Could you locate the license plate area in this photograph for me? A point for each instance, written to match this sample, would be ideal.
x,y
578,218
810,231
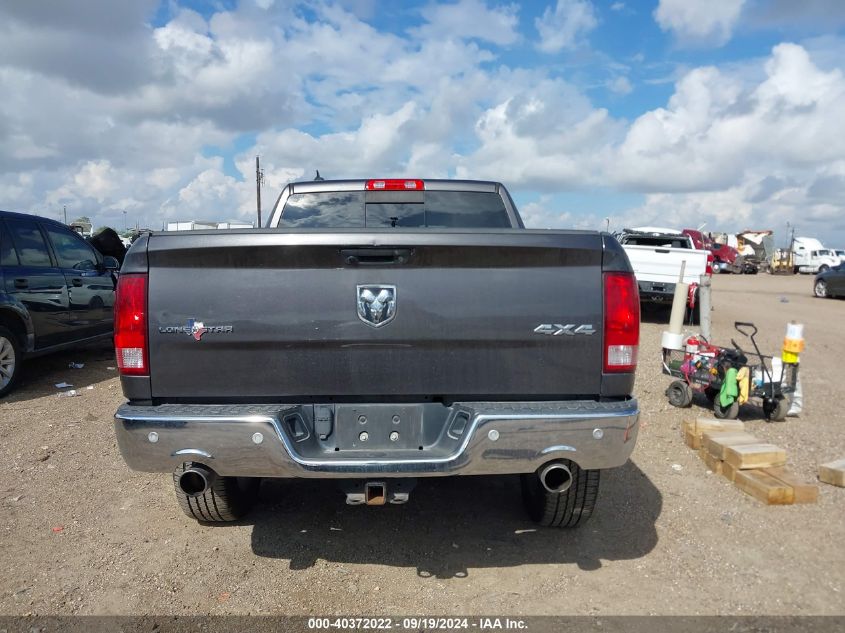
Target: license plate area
x,y
378,427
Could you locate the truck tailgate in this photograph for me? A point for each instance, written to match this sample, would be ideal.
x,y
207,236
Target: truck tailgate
x,y
245,315
663,265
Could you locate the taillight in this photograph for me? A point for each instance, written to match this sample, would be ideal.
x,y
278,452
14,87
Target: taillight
x,y
621,322
130,325
710,260
394,184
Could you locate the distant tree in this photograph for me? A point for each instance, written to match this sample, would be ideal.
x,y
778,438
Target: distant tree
x,y
99,230
83,218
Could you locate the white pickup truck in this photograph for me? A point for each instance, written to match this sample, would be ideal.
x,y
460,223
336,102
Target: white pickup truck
x,y
656,255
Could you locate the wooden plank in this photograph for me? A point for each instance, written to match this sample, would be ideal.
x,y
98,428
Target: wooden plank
x,y
692,440
804,492
747,456
764,487
704,425
711,462
833,473
715,443
728,471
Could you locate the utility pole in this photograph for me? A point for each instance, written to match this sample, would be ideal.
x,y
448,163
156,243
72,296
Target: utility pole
x,y
259,180
64,209
124,220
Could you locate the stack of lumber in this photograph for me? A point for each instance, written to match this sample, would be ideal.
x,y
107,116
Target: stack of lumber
x,y
754,466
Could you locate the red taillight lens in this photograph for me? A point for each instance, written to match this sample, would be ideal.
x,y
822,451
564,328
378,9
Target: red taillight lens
x,y
621,322
395,184
710,260
130,325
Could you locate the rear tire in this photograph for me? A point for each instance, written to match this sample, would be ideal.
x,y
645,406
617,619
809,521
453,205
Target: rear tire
x,y
679,394
776,411
820,289
10,360
564,509
227,499
725,413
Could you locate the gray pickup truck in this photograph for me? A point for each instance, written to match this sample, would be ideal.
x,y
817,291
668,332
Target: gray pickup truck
x,y
375,332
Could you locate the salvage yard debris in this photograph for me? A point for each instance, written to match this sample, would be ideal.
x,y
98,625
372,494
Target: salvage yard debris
x,y
755,467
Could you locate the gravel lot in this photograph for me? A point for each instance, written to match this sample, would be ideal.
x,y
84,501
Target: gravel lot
x,y
84,535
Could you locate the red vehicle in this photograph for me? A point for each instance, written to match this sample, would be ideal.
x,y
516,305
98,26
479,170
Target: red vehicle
x,y
726,259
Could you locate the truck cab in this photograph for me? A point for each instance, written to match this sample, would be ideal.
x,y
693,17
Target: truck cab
x,y
810,256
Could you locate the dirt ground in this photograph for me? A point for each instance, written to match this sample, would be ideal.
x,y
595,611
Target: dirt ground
x,y
82,534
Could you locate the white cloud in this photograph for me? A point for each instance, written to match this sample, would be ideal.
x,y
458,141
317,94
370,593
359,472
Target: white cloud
x,y
468,19
752,143
699,21
717,126
617,6
620,85
565,26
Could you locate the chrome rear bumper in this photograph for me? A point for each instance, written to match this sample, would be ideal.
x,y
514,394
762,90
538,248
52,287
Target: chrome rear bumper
x,y
470,438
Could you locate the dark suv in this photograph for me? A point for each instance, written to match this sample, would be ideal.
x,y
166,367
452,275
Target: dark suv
x,y
56,291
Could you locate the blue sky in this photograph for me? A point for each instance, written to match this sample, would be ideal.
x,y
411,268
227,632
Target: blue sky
x,y
678,112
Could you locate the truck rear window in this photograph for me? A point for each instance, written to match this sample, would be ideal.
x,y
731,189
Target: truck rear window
x,y
658,241
397,209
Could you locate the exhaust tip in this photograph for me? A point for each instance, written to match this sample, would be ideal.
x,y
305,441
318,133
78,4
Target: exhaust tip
x,y
556,477
196,481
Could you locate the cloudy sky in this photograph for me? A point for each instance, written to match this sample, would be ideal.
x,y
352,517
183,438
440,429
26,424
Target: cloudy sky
x,y
670,112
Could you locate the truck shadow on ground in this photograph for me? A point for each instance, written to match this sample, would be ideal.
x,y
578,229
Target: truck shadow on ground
x,y
452,525
39,375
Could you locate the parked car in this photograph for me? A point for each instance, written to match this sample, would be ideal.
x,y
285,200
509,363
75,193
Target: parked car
x,y
374,333
656,255
56,291
830,283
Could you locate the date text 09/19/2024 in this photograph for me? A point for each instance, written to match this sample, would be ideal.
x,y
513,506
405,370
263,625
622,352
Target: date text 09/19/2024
x,y
417,623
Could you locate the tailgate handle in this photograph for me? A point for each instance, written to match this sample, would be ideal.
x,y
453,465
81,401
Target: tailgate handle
x,y
661,250
376,256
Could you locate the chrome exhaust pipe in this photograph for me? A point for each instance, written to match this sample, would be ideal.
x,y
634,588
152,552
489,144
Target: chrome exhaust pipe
x,y
196,480
555,477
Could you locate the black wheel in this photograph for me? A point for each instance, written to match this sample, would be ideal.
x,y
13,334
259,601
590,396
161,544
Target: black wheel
x,y
679,393
776,410
824,268
562,509
820,288
227,499
725,413
710,393
10,360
